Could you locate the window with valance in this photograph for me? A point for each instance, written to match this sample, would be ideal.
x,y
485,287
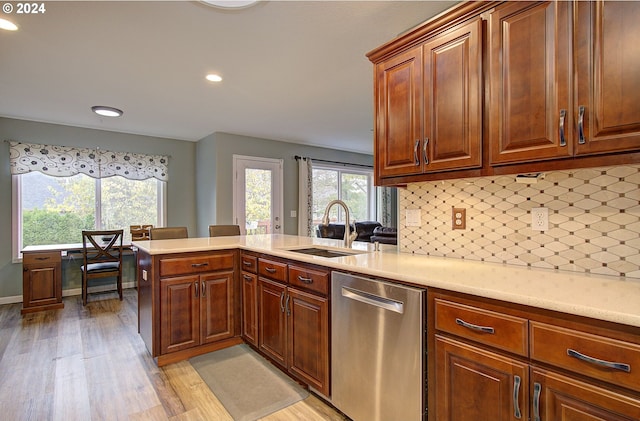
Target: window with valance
x,y
66,161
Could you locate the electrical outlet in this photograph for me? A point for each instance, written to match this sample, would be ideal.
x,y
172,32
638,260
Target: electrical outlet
x,y
540,219
459,218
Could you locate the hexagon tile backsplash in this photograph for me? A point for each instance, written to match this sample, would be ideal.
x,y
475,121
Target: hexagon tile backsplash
x,y
594,220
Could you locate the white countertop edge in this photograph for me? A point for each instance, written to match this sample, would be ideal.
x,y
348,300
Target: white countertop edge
x,y
605,298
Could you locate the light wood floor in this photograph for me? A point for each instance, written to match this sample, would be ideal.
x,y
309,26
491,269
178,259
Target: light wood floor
x,y
90,364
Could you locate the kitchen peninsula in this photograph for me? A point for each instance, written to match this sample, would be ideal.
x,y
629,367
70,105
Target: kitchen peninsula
x,y
534,311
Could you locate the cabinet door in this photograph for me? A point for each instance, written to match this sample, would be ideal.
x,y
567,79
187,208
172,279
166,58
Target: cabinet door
x,y
41,285
474,384
529,82
561,398
399,127
250,308
308,325
216,306
608,76
179,313
453,99
272,335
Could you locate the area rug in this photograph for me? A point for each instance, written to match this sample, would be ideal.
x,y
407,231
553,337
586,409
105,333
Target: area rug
x,y
246,384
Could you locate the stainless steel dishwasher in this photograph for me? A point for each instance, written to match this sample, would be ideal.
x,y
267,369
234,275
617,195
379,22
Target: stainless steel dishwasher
x,y
377,349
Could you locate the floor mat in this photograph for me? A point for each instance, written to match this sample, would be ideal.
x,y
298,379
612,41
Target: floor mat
x,y
248,386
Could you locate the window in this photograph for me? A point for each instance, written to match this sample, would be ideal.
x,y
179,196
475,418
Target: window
x,y
53,210
352,185
59,191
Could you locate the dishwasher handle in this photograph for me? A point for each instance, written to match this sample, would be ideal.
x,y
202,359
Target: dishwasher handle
x,y
374,300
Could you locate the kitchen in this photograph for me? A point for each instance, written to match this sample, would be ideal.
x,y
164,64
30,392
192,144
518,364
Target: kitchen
x,y
482,194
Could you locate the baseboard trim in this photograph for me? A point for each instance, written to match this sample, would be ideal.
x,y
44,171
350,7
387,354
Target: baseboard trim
x,y
70,292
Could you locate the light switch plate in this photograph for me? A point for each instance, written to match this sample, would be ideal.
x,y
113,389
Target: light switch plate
x,y
413,218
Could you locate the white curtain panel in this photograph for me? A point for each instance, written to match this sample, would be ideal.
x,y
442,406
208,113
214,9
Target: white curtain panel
x,y
305,197
66,161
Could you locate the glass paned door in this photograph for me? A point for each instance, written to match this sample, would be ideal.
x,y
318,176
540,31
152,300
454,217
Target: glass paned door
x,y
258,195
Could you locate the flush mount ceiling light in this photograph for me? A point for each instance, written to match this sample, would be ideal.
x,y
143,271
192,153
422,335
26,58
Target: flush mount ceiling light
x,y
106,111
230,4
212,77
8,25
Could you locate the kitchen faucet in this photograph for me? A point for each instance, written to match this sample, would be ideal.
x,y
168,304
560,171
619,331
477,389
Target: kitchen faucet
x,y
348,235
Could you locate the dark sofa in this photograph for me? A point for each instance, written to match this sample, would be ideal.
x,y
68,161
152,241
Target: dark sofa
x,y
365,230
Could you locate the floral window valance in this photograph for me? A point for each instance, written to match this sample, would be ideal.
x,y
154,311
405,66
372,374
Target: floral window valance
x,y
65,161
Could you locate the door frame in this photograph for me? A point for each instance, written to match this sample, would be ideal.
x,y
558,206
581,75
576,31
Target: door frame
x,y
277,187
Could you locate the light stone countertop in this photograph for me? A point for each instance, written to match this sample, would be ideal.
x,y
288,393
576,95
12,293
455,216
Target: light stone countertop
x,y
607,298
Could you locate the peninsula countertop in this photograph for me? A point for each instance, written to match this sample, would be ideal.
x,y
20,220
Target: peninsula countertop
x,y
606,298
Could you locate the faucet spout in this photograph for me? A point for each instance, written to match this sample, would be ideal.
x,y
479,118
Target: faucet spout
x,y
348,235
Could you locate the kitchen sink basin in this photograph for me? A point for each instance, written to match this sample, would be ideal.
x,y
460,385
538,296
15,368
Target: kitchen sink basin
x,y
325,252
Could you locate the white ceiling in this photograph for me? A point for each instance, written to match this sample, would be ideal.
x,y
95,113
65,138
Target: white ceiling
x,y
293,70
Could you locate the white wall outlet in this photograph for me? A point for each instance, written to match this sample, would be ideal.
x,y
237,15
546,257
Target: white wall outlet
x,y
413,217
540,219
294,214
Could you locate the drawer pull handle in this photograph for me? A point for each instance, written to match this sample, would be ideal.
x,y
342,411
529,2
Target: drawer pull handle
x,y
246,263
270,270
305,280
516,394
199,265
536,401
196,285
247,277
42,258
484,329
425,152
608,364
415,152
203,290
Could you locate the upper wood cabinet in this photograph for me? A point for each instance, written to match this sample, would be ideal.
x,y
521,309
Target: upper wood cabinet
x,y
607,65
564,80
529,82
429,105
560,90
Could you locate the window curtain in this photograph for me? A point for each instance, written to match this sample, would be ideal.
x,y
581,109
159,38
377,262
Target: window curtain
x,y
305,198
386,211
65,161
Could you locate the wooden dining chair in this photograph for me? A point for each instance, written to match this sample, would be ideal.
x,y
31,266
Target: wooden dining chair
x,y
223,230
102,257
167,233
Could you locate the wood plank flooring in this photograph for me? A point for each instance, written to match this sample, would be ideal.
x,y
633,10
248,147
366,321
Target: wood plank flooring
x,y
89,363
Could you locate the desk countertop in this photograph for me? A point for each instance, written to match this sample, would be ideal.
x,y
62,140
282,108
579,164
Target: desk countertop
x,y
605,298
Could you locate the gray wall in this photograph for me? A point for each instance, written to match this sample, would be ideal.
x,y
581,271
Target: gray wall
x,y
214,178
181,190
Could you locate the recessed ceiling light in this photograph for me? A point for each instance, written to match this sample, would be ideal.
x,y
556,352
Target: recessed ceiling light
x,y
214,78
106,111
230,4
8,25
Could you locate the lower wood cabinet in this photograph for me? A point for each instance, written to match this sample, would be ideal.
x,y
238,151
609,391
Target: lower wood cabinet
x,y
195,310
294,322
568,370
249,265
187,303
477,384
41,281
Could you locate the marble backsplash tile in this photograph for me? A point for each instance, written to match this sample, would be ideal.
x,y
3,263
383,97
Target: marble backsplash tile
x,y
594,220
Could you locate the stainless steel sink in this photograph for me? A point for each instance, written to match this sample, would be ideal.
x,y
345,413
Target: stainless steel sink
x,y
326,252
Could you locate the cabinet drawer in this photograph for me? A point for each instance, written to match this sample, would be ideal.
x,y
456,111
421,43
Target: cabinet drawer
x,y
499,330
272,270
196,264
41,258
588,354
249,263
316,280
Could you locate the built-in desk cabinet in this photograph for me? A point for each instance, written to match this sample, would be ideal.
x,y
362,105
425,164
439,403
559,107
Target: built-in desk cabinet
x,y
41,280
500,361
